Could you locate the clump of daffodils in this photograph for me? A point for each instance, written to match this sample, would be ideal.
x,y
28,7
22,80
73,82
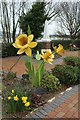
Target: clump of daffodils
x,y
24,100
24,44
15,101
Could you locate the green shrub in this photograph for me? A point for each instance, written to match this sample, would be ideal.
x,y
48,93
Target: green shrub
x,y
8,50
73,49
65,43
50,82
74,61
78,74
66,74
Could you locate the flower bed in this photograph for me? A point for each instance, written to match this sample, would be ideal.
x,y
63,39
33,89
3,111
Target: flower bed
x,y
16,86
50,86
20,96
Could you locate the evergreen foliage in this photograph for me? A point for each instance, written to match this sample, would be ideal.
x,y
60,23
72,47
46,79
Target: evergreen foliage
x,y
35,18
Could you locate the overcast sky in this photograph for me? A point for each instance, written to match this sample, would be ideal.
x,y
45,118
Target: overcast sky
x,y
53,27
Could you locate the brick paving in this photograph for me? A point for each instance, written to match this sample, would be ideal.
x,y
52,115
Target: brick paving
x,y
19,68
65,106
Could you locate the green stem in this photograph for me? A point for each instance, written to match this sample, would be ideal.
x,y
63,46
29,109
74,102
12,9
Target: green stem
x,y
40,76
31,62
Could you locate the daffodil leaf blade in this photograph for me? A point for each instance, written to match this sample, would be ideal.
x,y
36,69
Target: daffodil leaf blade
x,y
40,73
30,70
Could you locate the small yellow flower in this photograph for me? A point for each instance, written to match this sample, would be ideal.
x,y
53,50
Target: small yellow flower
x,y
27,104
25,44
59,50
24,99
47,56
16,98
12,91
9,98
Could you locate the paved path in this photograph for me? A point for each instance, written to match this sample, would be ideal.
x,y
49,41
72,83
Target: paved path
x,y
19,68
65,106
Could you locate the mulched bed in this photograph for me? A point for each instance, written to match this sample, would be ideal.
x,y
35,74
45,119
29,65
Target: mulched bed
x,y
37,99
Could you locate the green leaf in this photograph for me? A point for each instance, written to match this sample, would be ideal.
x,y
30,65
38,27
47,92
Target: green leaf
x,y
30,70
39,73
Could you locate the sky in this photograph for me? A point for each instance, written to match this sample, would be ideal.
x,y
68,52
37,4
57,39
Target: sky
x,y
53,27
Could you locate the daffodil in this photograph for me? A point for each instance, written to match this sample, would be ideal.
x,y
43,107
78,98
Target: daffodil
x,y
47,56
9,98
24,99
16,98
59,50
12,91
27,104
24,44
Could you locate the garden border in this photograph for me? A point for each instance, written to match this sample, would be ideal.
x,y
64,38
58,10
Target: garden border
x,y
42,111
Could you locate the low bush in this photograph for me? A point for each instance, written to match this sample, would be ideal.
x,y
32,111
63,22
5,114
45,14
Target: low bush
x,y
8,50
66,74
65,43
78,74
73,49
50,82
74,61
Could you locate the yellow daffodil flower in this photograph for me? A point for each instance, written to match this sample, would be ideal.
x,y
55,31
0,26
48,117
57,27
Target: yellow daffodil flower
x,y
59,50
24,99
12,91
47,56
24,44
16,98
9,98
27,104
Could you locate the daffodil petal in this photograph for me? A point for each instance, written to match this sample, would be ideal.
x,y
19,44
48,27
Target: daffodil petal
x,y
33,44
30,38
20,51
15,45
25,46
28,51
52,56
50,61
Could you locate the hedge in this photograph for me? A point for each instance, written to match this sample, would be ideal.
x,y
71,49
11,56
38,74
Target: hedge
x,y
65,43
8,50
67,74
